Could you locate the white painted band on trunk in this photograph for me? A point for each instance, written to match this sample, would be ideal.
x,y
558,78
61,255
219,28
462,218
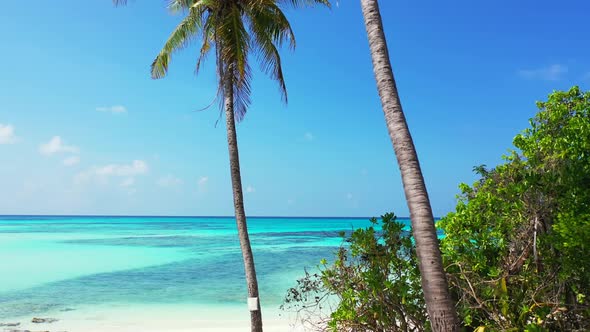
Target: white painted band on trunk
x,y
253,303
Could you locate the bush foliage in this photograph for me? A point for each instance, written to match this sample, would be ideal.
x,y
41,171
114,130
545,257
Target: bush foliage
x,y
373,283
517,246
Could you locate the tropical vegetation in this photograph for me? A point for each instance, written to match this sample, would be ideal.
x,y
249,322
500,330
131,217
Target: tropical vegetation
x,y
515,250
372,285
517,246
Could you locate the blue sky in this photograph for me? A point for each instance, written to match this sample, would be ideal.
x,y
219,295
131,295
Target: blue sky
x,y
84,130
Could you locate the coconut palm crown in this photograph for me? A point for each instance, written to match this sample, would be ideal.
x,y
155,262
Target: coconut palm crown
x,y
233,30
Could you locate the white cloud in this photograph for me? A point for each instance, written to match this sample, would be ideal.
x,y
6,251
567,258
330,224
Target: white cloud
x,y
169,181
71,161
7,134
308,136
137,167
128,185
116,109
250,189
203,180
101,174
202,183
551,73
56,145
353,200
128,182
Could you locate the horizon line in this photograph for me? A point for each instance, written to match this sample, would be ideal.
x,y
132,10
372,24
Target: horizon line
x,y
187,216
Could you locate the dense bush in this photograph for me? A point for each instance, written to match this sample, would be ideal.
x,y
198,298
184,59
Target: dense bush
x,y
516,249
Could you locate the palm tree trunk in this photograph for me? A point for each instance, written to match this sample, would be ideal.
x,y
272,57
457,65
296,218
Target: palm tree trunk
x,y
439,304
236,179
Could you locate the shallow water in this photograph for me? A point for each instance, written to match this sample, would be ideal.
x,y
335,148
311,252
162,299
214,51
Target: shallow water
x,y
48,264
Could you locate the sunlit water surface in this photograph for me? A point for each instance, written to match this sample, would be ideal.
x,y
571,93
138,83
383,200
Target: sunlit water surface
x,y
50,264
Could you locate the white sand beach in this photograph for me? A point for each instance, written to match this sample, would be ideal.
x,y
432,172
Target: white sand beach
x,y
153,318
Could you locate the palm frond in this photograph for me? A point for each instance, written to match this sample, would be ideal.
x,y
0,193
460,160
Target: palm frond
x,y
234,44
268,18
175,6
269,27
234,29
271,65
180,37
242,92
206,45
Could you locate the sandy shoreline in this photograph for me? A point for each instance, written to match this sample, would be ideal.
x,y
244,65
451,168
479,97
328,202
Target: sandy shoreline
x,y
153,318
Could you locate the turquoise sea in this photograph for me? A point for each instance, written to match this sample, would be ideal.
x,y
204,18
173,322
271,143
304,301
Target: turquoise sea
x,y
52,264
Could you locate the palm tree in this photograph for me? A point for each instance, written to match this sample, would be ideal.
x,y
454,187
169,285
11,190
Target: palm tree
x,y
439,304
234,30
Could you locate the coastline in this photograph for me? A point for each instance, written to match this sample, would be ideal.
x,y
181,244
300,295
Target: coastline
x,y
154,318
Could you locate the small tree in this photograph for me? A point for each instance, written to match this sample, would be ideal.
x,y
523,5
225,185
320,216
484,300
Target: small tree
x,y
373,284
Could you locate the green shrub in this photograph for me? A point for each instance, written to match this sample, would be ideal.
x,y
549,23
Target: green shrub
x,y
372,285
517,246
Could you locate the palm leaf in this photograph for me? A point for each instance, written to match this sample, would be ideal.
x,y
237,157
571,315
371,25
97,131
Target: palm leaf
x,y
235,29
234,45
180,37
175,6
208,41
269,27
